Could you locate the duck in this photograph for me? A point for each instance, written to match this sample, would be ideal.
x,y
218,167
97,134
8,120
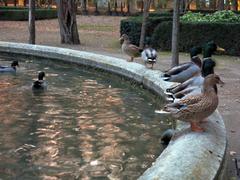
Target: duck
x,y
195,84
209,49
195,109
130,49
149,56
40,84
186,70
11,68
192,86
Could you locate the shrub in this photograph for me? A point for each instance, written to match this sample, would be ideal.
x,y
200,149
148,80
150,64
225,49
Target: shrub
x,y
218,16
195,34
132,26
21,14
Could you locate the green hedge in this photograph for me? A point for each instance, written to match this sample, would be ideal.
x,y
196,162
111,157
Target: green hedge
x,y
21,14
226,35
132,26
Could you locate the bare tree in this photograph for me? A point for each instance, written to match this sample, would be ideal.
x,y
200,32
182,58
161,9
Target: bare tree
x,y
212,4
146,6
31,22
220,4
235,5
67,21
187,4
175,33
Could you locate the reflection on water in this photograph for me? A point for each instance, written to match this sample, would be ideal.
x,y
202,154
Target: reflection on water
x,y
85,126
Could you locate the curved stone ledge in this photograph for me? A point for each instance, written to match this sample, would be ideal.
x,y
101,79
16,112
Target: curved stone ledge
x,y
189,156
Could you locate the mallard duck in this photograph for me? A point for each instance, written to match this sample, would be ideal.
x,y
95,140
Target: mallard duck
x,y
40,84
192,86
149,56
208,50
197,80
195,109
9,69
184,71
128,48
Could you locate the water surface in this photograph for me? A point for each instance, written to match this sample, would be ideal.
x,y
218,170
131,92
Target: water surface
x,y
87,125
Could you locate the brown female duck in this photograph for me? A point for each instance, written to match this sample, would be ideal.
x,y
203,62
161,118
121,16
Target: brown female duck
x,y
195,109
128,48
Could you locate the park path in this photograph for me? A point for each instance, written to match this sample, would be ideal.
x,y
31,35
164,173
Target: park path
x,y
100,34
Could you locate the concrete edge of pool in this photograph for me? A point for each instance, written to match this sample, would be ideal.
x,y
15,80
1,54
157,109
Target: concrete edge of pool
x,y
189,155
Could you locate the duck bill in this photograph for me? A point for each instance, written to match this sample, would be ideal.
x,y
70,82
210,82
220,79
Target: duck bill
x,y
220,49
221,83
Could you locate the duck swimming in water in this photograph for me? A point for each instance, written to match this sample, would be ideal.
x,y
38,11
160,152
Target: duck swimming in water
x,y
195,109
40,84
9,69
128,48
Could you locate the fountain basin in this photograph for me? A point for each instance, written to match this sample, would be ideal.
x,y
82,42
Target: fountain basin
x,y
189,155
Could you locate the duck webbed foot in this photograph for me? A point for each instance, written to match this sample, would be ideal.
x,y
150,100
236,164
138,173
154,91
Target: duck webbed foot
x,y
204,120
195,127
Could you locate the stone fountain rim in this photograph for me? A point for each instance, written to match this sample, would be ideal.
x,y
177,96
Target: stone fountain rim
x,y
190,155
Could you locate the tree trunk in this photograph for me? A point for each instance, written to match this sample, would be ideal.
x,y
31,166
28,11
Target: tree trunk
x,y
85,11
187,4
212,4
175,33
5,3
31,21
198,4
235,5
15,3
220,4
67,21
227,4
146,7
203,4
182,6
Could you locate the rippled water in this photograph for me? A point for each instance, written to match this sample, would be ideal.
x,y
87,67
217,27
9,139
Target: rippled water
x,y
87,125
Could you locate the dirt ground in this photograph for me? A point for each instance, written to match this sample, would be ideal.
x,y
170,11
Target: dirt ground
x,y
100,34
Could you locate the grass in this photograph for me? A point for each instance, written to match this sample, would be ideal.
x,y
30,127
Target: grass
x,y
92,27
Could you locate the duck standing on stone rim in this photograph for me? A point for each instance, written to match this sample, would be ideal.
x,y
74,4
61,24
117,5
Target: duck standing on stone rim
x,y
195,109
128,48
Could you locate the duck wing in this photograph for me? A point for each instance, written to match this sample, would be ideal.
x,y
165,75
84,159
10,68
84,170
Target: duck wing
x,y
181,86
177,69
133,50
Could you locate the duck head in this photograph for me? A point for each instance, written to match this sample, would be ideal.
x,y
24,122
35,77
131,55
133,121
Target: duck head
x,y
210,48
123,38
208,67
211,80
194,51
41,75
14,64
